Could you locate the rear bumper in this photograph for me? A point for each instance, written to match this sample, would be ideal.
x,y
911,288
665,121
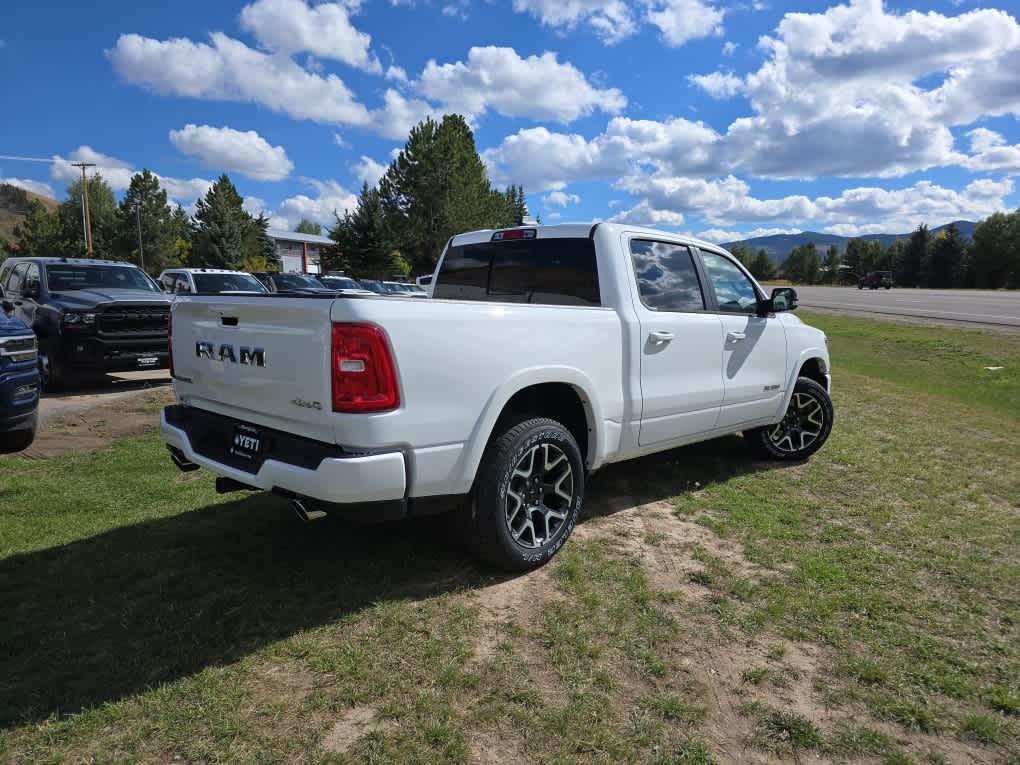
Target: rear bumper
x,y
335,479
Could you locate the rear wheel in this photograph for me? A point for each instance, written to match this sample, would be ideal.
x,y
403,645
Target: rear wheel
x,y
527,495
803,429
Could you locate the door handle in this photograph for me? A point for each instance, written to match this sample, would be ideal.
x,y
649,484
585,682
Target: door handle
x,y
733,337
661,336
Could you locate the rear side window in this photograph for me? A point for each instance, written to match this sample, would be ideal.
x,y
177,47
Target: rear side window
x,y
555,271
666,277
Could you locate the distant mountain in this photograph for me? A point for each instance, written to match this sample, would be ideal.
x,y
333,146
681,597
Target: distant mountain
x,y
779,246
14,207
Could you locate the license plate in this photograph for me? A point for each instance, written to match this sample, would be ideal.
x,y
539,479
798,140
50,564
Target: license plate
x,y
247,442
148,361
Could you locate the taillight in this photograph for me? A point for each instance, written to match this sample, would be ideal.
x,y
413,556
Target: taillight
x,y
364,377
170,340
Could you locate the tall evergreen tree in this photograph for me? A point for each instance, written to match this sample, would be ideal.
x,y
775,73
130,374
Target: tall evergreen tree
x,y
363,238
159,230
803,264
102,214
853,258
943,266
907,272
831,264
437,187
223,230
763,267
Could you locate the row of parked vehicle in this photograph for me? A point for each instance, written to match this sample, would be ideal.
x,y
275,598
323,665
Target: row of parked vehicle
x,y
207,281
66,321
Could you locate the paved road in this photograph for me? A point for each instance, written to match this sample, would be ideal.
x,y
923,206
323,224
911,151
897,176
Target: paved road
x,y
120,386
979,308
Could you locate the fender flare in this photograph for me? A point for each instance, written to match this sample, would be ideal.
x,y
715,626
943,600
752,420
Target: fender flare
x,y
525,378
806,355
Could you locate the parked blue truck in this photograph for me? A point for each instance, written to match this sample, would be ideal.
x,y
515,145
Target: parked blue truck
x,y
19,380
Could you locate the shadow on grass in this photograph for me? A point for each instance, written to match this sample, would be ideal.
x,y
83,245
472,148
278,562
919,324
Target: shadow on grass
x,y
105,617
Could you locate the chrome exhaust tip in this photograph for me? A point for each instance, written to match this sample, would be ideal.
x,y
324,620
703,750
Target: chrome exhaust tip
x,y
304,513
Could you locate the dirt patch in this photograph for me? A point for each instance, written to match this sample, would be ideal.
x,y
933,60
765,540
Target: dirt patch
x,y
357,722
99,425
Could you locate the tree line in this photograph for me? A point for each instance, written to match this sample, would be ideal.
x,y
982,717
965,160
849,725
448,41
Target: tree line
x,y
989,260
436,186
221,234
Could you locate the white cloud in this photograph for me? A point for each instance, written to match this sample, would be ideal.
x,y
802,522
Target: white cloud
x,y
397,74
399,114
727,201
36,187
729,48
115,171
990,151
680,21
541,159
292,26
367,170
536,87
331,198
339,141
719,236
226,149
644,214
254,205
612,20
561,199
228,70
118,173
717,84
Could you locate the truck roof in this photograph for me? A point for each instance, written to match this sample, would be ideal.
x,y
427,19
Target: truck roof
x,y
575,230
203,271
74,261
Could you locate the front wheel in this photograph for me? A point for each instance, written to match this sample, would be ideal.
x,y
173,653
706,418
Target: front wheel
x,y
803,429
527,495
51,373
16,440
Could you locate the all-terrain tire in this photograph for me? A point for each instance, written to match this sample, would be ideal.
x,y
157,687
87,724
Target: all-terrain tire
x,y
804,428
518,514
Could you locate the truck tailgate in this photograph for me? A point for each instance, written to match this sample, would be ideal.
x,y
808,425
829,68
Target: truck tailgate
x,y
263,360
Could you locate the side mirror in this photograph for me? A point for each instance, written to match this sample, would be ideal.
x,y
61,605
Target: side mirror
x,y
30,290
783,299
5,305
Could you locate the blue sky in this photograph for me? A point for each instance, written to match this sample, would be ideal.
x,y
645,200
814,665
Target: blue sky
x,y
716,118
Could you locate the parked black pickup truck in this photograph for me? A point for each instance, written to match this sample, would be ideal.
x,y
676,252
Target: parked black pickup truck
x,y
91,316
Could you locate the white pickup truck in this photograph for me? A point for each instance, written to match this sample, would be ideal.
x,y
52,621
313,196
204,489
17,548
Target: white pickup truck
x,y
544,353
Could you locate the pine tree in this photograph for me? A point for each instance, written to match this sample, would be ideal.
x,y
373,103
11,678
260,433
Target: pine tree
x,y
995,256
830,267
763,267
158,226
943,266
38,235
223,229
907,272
362,237
102,214
437,187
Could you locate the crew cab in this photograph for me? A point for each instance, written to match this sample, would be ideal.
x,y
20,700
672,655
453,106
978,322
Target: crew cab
x,y
91,316
545,353
192,281
19,381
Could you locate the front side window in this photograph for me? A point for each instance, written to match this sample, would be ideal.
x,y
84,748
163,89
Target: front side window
x,y
16,277
553,271
733,290
666,277
67,278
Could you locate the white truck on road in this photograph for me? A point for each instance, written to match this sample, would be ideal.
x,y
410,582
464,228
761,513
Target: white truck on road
x,y
544,353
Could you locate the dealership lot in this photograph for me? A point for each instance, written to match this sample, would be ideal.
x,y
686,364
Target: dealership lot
x,y
862,606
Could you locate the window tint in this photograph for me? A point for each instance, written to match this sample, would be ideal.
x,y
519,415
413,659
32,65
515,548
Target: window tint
x,y
31,276
733,290
666,277
227,283
555,271
65,278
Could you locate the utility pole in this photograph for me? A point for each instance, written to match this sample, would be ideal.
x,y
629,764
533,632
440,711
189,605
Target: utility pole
x,y
138,221
85,202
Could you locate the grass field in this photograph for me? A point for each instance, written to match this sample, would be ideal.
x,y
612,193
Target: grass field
x,y
861,607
